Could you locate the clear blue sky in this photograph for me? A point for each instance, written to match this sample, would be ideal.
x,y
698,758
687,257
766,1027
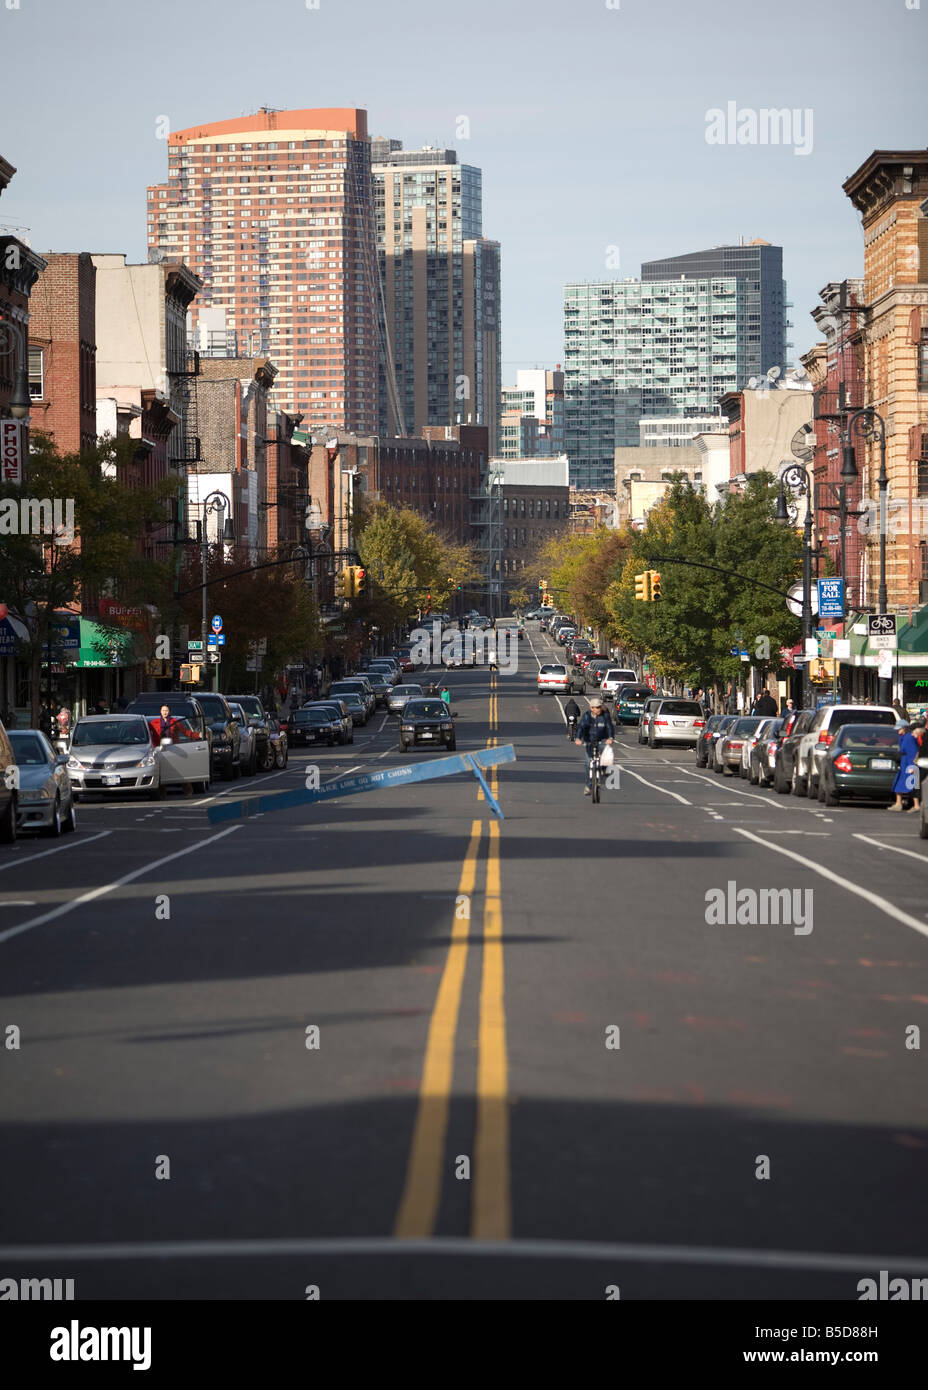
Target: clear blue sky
x,y
589,122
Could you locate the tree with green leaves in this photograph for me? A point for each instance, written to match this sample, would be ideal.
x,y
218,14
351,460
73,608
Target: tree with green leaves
x,y
704,613
406,560
112,512
270,601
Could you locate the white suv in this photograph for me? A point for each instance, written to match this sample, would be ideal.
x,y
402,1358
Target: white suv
x,y
821,731
614,677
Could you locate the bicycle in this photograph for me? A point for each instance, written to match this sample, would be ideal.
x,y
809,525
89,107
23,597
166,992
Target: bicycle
x,y
594,772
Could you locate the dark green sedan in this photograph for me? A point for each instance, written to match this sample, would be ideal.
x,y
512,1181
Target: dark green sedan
x,y
629,702
862,760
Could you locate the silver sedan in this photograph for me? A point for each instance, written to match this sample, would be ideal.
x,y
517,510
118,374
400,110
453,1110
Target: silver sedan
x,y
44,800
397,698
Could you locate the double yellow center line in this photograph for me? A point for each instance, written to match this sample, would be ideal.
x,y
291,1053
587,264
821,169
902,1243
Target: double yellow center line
x,y
491,1215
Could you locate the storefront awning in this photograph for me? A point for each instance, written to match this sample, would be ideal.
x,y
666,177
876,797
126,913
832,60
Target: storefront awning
x,y
104,647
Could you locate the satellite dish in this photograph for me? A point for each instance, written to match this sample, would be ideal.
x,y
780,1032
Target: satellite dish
x,y
773,373
802,444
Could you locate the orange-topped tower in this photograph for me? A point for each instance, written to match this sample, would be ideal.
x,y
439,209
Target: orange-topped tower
x,y
274,212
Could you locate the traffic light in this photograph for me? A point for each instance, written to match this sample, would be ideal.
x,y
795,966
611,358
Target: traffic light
x,y
655,585
547,601
360,581
341,584
643,587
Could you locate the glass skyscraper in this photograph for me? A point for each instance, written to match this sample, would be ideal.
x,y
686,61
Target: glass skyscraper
x,y
669,344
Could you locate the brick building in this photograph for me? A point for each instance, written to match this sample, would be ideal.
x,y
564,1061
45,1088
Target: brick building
x,y
835,368
62,351
890,191
232,395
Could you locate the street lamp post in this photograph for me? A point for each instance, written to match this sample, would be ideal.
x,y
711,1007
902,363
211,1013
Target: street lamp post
x,y
870,424
797,477
215,502
13,339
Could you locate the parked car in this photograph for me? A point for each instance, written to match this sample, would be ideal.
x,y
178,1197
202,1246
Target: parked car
x,y
861,760
675,721
596,668
312,725
357,707
763,756
715,726
259,721
784,773
388,665
822,730
227,736
116,753
579,648
629,702
729,746
426,721
644,724
380,683
279,743
249,744
399,696
616,677
9,801
45,800
750,742
552,678
341,713
209,719
355,685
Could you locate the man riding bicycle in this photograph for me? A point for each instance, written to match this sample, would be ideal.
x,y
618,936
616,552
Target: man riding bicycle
x,y
595,727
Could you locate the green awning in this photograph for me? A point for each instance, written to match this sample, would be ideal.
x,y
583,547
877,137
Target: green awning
x,y
104,647
913,636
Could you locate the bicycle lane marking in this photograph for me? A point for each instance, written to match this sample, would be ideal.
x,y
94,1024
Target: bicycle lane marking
x,y
883,904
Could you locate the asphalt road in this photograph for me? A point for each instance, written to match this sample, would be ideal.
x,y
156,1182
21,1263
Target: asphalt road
x,y
540,1071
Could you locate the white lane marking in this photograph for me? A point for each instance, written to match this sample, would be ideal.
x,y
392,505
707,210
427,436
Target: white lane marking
x,y
713,783
662,790
108,887
897,849
233,787
18,902
458,1245
826,833
73,840
882,903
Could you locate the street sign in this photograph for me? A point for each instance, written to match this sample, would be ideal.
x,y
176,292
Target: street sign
x,y
881,632
197,659
794,600
214,657
194,646
884,665
221,639
217,623
831,598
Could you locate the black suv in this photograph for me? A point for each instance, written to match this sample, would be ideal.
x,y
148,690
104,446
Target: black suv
x,y
785,773
257,717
